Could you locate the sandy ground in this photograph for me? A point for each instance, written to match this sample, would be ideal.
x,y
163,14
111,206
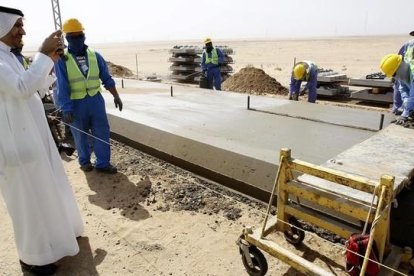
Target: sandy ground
x,y
155,219
355,57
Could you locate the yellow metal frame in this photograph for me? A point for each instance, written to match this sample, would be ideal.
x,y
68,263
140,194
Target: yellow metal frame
x,y
378,216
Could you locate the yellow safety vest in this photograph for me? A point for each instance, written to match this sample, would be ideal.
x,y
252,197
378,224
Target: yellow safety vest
x,y
408,56
25,63
214,57
79,85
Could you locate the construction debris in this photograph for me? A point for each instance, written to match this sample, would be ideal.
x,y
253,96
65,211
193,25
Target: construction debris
x,y
255,81
119,71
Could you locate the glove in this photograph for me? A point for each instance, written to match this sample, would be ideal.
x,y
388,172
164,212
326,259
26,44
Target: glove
x,y
68,117
401,121
118,103
205,73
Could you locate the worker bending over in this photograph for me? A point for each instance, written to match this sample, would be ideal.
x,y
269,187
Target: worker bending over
x,y
394,66
304,71
211,62
79,73
407,51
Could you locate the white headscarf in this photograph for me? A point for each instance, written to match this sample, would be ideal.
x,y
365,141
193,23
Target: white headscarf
x,y
7,21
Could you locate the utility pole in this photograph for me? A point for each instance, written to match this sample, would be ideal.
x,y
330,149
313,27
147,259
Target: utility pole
x,y
56,14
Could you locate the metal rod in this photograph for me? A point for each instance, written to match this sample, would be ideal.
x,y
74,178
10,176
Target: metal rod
x,y
172,91
122,83
372,232
272,196
136,63
248,102
381,122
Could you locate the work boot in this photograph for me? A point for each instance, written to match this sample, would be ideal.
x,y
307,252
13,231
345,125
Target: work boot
x,y
109,170
66,148
87,167
49,269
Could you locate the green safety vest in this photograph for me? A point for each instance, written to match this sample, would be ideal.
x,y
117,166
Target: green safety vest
x,y
214,57
408,56
79,85
25,63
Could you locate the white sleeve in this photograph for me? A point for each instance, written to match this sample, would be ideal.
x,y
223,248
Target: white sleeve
x,y
25,83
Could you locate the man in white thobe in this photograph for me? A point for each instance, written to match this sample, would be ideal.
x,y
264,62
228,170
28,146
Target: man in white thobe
x,y
45,216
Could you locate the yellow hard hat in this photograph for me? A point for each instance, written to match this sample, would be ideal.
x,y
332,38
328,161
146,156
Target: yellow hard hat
x,y
390,63
207,40
299,71
72,25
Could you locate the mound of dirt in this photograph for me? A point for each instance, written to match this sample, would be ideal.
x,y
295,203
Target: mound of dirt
x,y
119,71
255,81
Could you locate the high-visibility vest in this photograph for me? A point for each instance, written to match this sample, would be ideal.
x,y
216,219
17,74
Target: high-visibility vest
x,y
25,63
214,57
408,56
79,85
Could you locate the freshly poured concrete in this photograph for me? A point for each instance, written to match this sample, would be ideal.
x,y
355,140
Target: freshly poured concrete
x,y
215,131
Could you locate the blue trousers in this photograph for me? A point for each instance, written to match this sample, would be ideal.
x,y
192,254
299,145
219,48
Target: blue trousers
x,y
213,74
397,101
295,89
90,116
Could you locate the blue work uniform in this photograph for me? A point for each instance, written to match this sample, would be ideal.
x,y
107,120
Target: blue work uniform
x,y
311,78
407,54
211,62
89,112
407,94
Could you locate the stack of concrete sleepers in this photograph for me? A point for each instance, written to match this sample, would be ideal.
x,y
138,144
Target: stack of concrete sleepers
x,y
186,62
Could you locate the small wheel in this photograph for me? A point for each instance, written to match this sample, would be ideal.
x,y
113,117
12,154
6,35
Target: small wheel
x,y
259,262
294,235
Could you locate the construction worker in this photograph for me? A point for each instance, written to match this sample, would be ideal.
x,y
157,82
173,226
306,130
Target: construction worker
x,y
304,71
79,73
394,66
46,219
407,51
211,62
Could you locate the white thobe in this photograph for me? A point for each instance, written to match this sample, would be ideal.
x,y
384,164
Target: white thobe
x,y
35,188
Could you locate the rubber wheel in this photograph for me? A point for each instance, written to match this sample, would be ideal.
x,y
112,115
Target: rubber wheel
x,y
294,235
259,262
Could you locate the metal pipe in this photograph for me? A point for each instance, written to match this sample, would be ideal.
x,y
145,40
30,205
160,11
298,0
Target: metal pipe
x,y
122,83
172,91
372,232
381,122
269,207
248,102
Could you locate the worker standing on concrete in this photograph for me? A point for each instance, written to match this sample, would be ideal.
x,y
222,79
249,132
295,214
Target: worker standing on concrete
x,y
304,71
211,62
79,73
407,51
46,219
394,66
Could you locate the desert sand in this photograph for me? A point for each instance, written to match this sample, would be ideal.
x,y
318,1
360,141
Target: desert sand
x,y
155,219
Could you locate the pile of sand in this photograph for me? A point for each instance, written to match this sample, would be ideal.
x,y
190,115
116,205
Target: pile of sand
x,y
255,81
119,71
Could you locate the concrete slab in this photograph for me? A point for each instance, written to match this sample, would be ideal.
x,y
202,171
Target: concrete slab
x,y
387,152
332,77
215,131
366,95
371,82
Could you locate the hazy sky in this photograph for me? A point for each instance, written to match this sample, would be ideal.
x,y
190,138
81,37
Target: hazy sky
x,y
170,20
